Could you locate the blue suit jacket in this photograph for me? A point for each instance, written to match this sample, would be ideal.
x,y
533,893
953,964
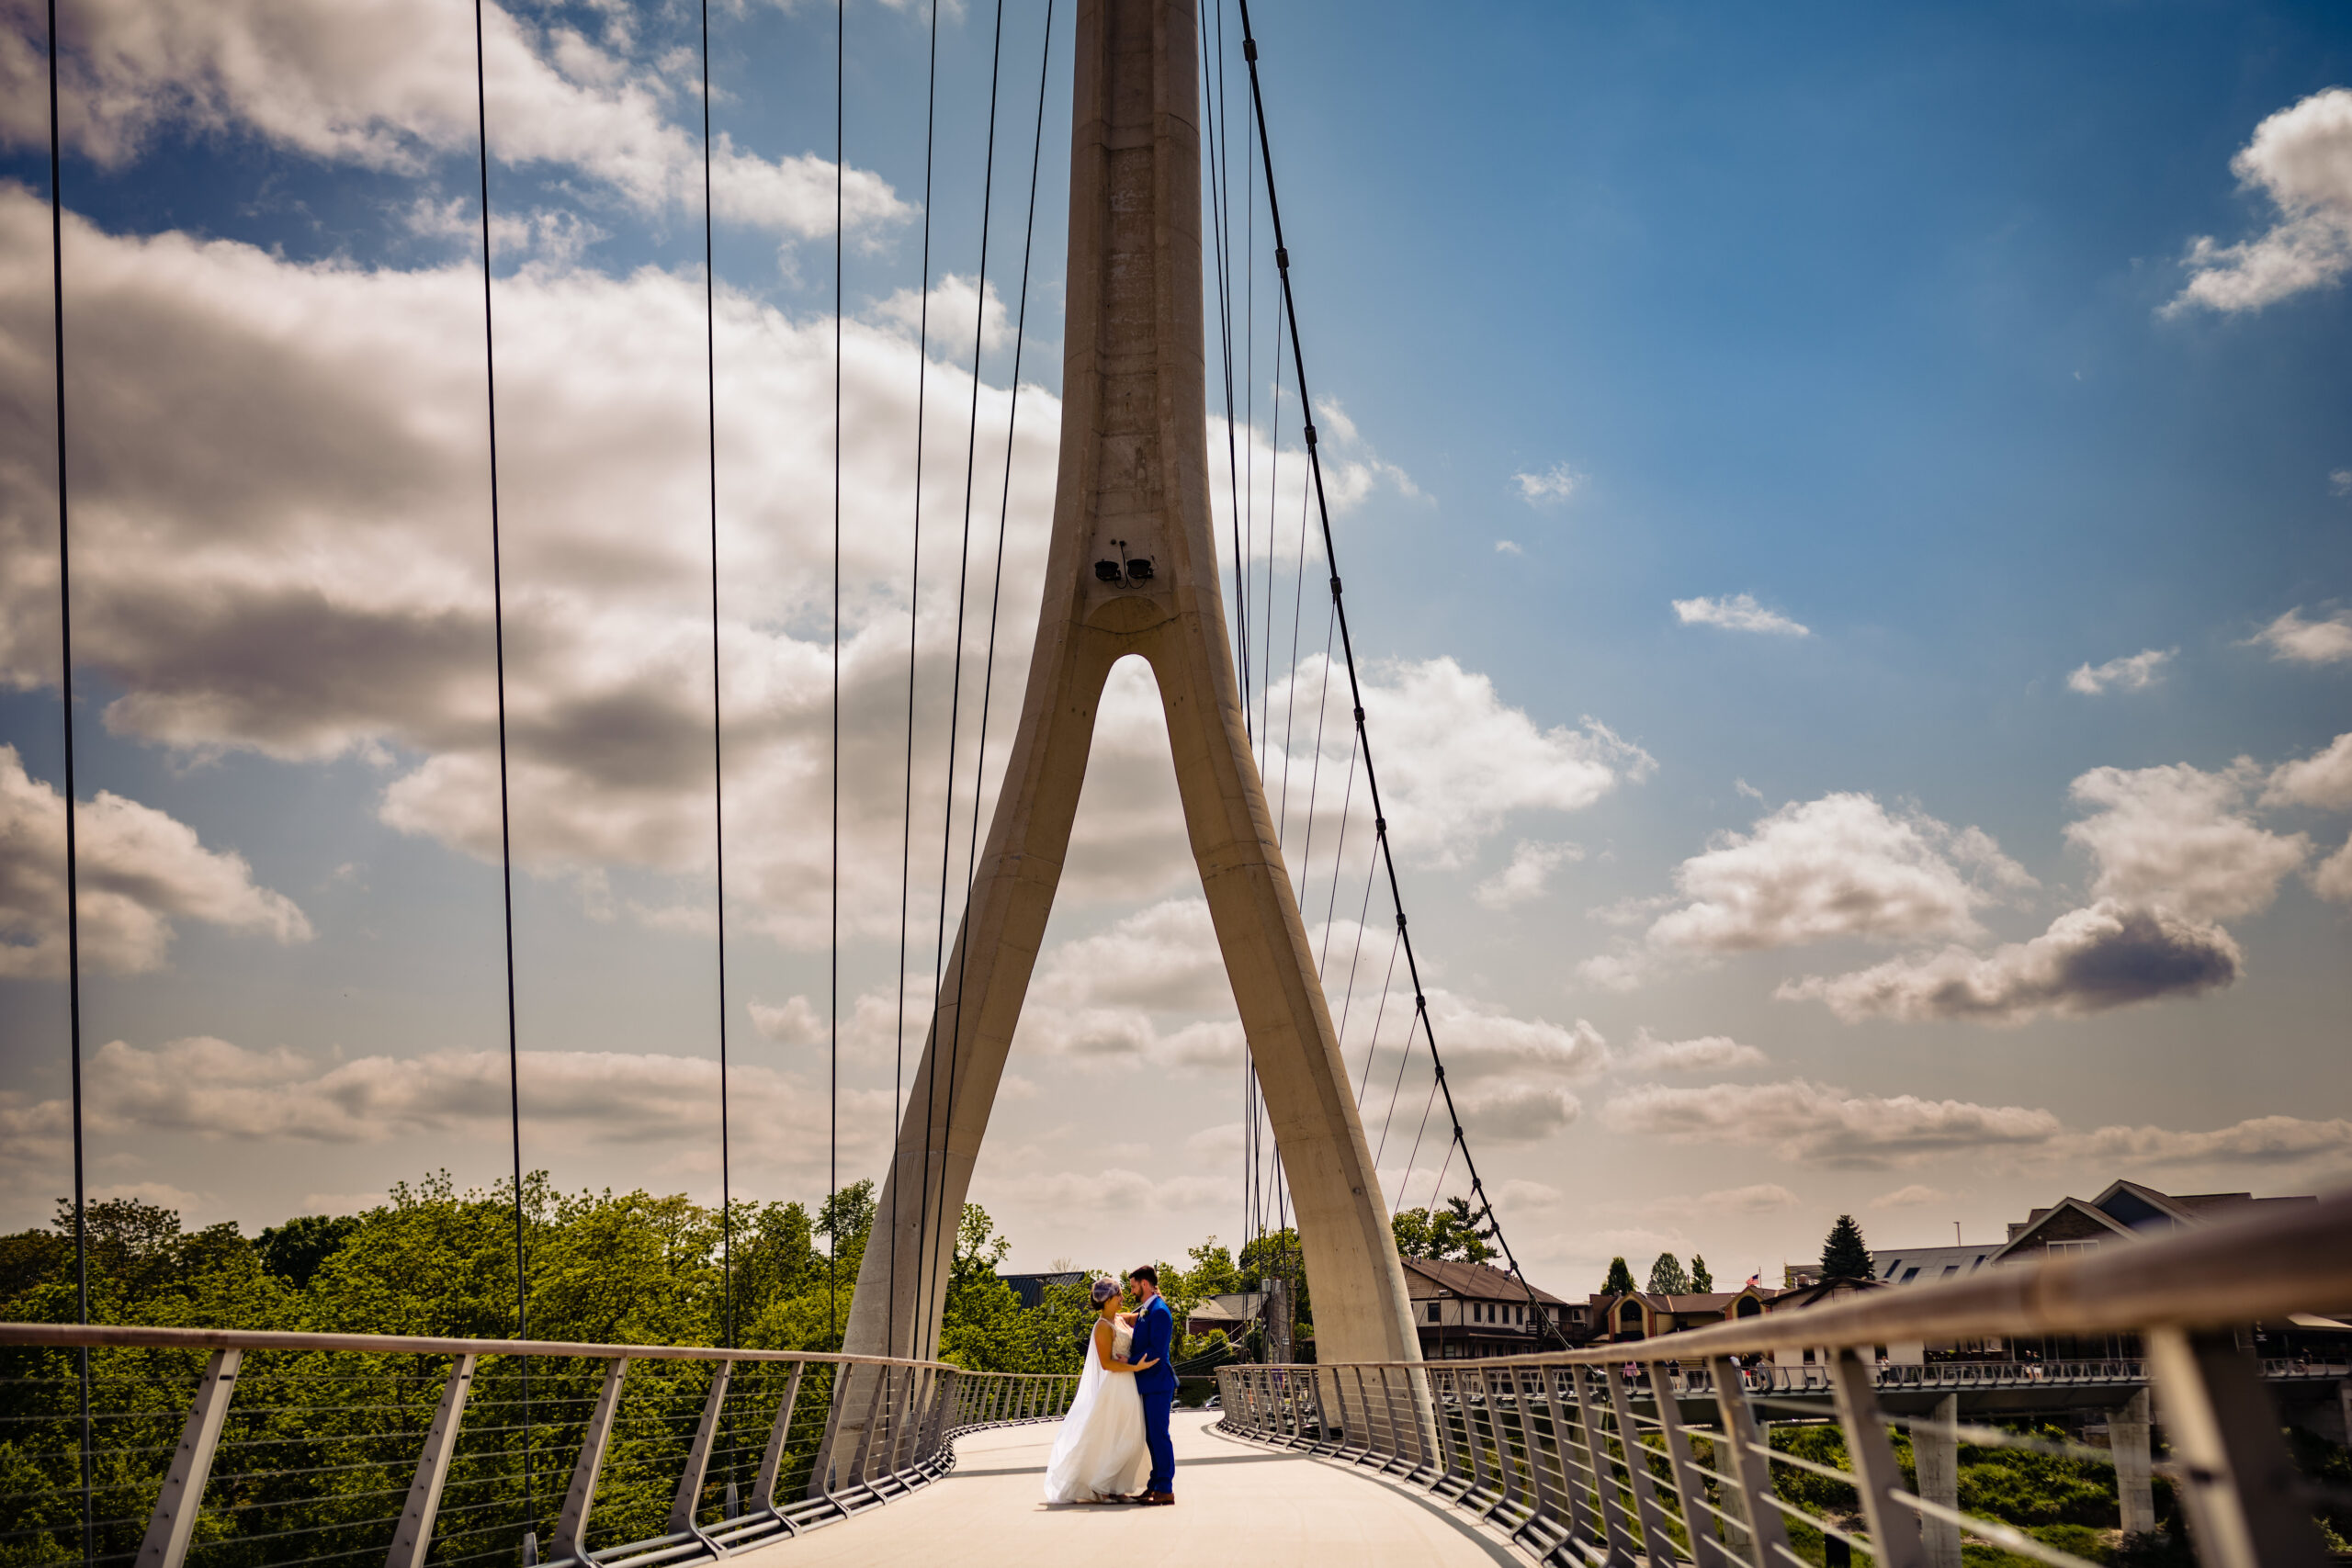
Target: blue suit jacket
x,y
1155,1329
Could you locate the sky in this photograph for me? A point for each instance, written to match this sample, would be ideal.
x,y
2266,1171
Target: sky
x,y
1847,518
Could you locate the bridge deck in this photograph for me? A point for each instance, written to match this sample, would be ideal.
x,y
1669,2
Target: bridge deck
x,y
1232,1496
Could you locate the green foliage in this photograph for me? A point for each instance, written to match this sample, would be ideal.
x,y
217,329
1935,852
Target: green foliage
x,y
295,1250
1667,1278
1450,1232
1277,1253
1701,1281
1620,1281
1843,1255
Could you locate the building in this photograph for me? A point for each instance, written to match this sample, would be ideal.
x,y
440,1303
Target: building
x,y
1031,1288
1467,1310
1627,1315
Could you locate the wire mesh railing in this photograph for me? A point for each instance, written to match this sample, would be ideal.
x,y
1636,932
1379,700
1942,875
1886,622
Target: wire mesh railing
x,y
211,1448
1661,1449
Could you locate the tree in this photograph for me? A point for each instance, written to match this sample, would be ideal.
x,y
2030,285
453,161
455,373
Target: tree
x,y
295,1250
1449,1233
1620,1281
1843,1255
1701,1281
1667,1278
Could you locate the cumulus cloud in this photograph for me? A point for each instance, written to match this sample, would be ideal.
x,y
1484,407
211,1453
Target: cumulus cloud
x,y
956,311
1708,1053
1738,613
1532,864
1815,1124
2332,878
2295,641
1840,866
139,870
1516,1112
2175,836
2259,1140
1914,1196
2109,955
2133,674
2339,482
213,1088
1550,486
2301,159
2323,780
383,84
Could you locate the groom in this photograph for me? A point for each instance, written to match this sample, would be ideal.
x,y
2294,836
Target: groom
x,y
1153,1335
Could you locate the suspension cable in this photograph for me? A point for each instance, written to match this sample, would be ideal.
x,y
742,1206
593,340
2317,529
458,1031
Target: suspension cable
x,y
718,774
73,849
833,866
506,830
914,624
1212,103
1330,555
925,1330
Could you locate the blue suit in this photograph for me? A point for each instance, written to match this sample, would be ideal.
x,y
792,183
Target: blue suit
x,y
1154,1333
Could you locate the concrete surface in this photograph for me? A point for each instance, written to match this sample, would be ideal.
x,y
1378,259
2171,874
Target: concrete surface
x,y
1236,1502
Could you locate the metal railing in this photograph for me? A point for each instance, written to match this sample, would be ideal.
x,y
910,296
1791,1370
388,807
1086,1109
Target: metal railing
x,y
1586,1466
229,1450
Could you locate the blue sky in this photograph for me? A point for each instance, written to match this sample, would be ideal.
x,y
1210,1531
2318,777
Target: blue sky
x,y
1848,586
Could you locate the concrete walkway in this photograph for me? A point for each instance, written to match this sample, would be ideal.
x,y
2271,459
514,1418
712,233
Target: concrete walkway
x,y
1234,1501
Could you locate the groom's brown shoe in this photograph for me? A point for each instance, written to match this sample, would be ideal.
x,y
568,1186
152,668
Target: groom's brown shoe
x,y
1157,1499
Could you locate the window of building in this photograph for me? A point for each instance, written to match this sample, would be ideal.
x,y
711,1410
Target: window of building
x,y
1949,1270
1433,1312
2072,1249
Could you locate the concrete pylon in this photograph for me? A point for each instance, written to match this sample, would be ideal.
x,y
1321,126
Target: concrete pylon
x,y
1132,568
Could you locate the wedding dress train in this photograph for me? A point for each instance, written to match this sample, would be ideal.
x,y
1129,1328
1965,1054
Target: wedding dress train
x,y
1100,1451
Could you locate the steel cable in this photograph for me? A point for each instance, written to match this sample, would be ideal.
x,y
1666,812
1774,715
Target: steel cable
x,y
834,863
1372,780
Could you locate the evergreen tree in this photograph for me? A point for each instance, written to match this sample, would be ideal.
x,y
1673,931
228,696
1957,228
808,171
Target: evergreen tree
x,y
1667,1278
1620,1281
1701,1281
1843,1255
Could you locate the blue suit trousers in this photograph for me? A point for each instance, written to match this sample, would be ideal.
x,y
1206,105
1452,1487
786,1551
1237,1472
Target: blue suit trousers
x,y
1155,1436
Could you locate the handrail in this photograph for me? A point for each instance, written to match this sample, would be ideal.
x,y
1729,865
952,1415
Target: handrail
x,y
1578,1459
66,1336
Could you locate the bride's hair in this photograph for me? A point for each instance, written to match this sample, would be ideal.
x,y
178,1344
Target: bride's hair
x,y
1104,1289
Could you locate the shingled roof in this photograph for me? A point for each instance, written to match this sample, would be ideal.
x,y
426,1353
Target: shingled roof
x,y
1475,1281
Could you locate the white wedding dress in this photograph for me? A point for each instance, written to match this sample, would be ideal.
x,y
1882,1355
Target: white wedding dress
x,y
1100,1451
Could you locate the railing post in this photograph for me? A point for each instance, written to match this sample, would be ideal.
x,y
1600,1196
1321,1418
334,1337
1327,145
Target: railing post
x,y
683,1506
1690,1486
1576,1522
1893,1530
779,1440
2237,1482
1541,1505
1604,1486
572,1528
1935,1455
865,1440
1767,1537
2127,1440
1637,1464
414,1537
170,1527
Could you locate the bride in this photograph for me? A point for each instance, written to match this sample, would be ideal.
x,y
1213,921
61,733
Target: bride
x,y
1098,1455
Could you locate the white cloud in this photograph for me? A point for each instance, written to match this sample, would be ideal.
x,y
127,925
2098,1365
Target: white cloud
x,y
1813,1124
212,1088
1708,1053
2260,1140
385,84
2339,482
1508,547
1916,1196
1550,487
2301,158
2293,640
2173,836
2107,955
1839,866
1738,613
951,305
2323,780
1516,1112
2332,878
2133,674
1532,864
1519,1194
139,870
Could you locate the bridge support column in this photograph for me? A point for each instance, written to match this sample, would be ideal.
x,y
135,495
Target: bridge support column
x,y
1131,567
1936,1455
2127,1438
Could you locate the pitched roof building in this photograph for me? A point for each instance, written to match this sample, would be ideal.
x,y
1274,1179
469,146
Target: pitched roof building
x,y
1469,1310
